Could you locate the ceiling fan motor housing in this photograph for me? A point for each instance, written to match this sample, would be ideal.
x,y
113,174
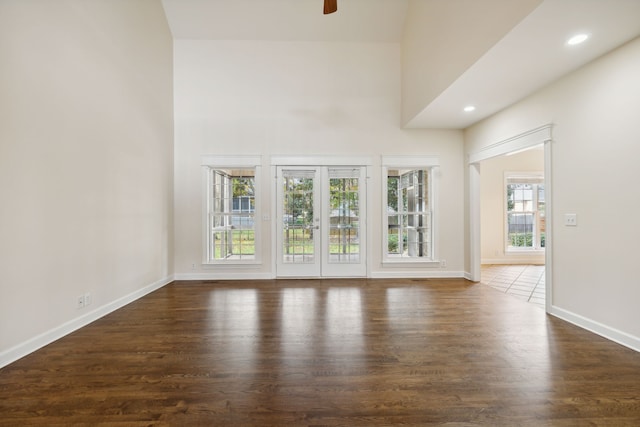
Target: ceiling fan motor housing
x,y
330,6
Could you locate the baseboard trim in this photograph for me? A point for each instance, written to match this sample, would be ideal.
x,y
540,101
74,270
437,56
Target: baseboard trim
x,y
417,274
224,276
391,274
513,261
597,328
19,351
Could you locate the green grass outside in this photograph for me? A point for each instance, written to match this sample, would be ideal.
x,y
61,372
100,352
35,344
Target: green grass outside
x,y
243,243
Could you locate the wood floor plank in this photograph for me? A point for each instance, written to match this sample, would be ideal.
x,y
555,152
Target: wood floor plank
x,y
339,352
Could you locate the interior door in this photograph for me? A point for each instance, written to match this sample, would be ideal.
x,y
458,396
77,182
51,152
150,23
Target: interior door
x,y
320,222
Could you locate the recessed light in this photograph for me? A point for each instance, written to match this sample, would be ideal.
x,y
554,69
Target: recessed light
x,y
469,108
577,39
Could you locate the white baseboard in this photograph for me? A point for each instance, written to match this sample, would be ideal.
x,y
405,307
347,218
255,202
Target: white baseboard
x,y
468,276
598,328
18,351
224,276
399,274
507,261
389,274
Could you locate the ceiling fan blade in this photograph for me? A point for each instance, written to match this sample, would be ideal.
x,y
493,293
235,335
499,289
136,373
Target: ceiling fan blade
x,y
330,6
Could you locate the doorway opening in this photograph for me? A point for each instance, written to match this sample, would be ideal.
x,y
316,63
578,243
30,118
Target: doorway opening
x,y
522,219
513,222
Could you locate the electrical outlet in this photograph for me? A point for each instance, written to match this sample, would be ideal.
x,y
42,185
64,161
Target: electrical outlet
x,y
87,299
80,302
193,266
570,220
443,263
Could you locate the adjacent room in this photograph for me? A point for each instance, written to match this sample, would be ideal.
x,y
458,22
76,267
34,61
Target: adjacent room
x,y
268,212
513,223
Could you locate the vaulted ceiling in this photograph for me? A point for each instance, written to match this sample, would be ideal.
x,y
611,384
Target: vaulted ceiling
x,y
485,53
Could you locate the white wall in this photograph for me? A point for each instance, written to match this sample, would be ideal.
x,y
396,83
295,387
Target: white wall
x,y
298,98
595,151
86,135
492,206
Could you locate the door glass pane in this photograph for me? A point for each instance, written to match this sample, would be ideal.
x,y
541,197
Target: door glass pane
x,y
298,217
344,216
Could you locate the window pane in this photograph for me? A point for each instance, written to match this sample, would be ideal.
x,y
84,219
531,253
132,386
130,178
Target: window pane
x,y
392,194
394,245
232,211
520,229
408,213
542,219
525,213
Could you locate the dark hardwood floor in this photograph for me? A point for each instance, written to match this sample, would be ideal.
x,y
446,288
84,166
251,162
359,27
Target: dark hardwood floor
x,y
325,352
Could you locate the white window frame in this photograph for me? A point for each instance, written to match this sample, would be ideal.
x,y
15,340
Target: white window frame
x,y
215,162
535,178
432,165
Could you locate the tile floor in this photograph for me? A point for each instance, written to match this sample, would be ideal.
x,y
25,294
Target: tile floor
x,y
522,281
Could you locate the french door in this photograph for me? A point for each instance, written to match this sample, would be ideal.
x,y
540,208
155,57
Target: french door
x,y
321,221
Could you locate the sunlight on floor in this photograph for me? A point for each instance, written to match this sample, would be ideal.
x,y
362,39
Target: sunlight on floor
x,y
521,281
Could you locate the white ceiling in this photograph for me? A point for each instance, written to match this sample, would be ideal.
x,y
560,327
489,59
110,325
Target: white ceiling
x,y
287,20
526,58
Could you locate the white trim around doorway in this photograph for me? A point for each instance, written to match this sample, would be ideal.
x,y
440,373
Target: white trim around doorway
x,y
523,141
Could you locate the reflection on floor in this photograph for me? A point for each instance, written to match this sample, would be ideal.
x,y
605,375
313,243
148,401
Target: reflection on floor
x,y
522,281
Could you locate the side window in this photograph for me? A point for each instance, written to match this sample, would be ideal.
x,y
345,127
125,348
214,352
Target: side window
x,y
230,218
408,210
525,213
